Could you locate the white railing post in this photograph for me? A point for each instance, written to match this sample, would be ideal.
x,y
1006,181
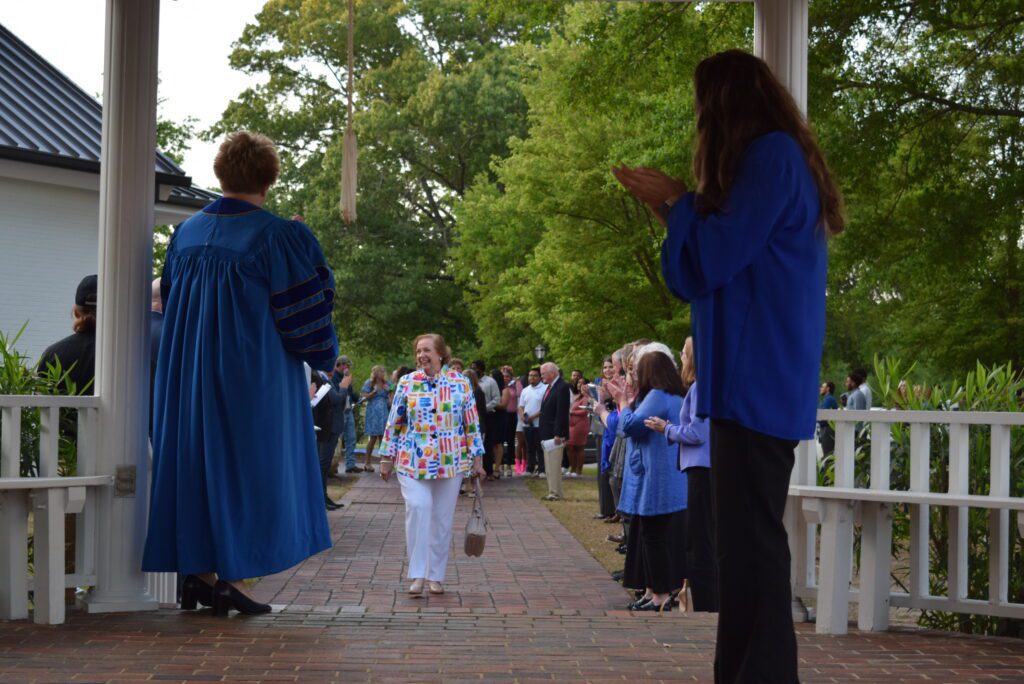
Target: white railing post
x,y
920,447
876,538
959,467
48,546
800,533
85,522
13,523
999,520
127,186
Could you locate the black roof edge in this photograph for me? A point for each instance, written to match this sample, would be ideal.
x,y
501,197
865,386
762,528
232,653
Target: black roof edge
x,y
187,202
89,166
195,202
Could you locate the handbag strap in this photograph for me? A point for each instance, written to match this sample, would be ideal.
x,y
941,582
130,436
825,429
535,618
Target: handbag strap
x,y
478,504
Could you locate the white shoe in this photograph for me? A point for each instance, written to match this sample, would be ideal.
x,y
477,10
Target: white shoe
x,y
416,588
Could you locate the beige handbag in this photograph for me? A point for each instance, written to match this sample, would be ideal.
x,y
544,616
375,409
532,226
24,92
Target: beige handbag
x,y
476,527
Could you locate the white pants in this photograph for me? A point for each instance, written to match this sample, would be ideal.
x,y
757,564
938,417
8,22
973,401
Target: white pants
x,y
429,514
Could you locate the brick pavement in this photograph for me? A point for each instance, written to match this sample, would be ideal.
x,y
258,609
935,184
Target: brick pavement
x,y
535,608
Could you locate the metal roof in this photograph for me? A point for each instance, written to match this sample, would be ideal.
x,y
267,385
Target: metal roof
x,y
46,119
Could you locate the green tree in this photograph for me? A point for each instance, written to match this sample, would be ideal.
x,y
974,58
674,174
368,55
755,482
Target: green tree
x,y
174,140
437,98
553,249
921,106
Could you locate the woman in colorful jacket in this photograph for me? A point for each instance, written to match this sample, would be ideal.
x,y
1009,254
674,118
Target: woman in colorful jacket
x,y
432,440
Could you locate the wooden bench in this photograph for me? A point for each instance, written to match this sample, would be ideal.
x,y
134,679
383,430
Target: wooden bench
x,y
837,509
49,499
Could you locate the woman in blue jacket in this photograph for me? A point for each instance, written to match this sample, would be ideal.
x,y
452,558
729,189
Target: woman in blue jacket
x,y
653,487
690,432
747,249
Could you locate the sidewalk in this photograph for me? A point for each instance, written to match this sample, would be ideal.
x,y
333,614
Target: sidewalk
x,y
531,566
535,608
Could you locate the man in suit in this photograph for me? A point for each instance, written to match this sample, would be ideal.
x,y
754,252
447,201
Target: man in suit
x,y
554,425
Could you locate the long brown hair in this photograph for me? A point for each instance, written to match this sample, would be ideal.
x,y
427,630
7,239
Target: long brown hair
x,y
738,99
657,371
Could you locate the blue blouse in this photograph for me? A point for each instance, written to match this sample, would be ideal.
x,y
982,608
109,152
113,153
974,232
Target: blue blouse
x,y
754,274
610,430
652,484
691,434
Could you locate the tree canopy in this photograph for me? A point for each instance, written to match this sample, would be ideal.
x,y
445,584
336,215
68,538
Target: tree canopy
x,y
487,129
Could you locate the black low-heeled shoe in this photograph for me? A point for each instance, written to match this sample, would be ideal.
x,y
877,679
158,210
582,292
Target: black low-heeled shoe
x,y
653,607
195,591
639,603
226,597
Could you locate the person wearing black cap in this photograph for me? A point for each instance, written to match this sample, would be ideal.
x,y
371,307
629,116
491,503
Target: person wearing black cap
x,y
76,353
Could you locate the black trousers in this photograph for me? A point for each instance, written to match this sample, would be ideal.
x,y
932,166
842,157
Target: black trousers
x,y
701,564
534,456
325,452
750,481
605,500
656,552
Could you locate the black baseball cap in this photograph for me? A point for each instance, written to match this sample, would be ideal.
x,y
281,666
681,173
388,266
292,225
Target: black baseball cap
x,y
85,295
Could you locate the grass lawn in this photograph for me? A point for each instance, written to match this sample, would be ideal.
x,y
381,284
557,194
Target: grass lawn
x,y
576,512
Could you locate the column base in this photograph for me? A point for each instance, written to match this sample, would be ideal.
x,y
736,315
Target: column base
x,y
100,603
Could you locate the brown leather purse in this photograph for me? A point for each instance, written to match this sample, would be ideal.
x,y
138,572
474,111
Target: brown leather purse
x,y
476,527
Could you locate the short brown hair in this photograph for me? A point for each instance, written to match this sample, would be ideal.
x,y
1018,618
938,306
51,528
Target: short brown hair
x,y
440,346
246,163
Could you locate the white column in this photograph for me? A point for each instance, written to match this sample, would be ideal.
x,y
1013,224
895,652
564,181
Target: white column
x,y
780,39
127,191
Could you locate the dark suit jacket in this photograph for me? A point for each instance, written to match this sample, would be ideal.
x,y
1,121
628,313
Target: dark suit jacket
x,y
342,400
554,411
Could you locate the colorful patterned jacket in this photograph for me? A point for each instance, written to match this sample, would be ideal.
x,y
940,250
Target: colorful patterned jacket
x,y
433,429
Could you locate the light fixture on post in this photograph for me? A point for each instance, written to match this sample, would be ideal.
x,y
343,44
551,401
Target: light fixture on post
x,y
539,351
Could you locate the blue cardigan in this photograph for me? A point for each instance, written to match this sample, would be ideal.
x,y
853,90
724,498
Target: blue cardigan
x,y
754,274
652,483
691,433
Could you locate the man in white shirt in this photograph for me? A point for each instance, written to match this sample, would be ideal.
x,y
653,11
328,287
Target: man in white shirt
x,y
529,412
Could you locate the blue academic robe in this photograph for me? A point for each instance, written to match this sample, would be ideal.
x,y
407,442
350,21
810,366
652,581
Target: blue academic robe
x,y
754,274
236,487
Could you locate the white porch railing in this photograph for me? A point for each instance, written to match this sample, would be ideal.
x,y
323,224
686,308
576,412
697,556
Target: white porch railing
x,y
824,572
49,497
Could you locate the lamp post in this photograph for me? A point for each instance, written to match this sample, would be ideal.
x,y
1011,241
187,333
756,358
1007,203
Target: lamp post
x,y
539,351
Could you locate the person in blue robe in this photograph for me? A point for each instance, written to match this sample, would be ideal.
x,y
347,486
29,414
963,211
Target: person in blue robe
x,y
748,251
248,298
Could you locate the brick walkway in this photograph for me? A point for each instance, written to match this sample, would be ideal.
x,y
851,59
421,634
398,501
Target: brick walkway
x,y
535,608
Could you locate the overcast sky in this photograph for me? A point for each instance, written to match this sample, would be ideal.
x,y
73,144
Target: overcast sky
x,y
195,40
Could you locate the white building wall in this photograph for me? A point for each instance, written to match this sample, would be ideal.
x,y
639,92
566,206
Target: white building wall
x,y
48,243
